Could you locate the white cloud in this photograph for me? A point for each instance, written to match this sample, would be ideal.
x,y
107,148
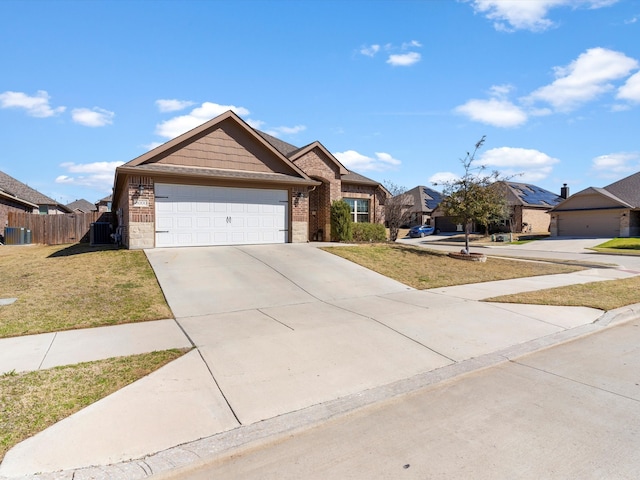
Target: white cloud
x,y
411,44
152,145
631,89
98,175
94,117
35,106
404,59
178,125
173,105
528,165
370,51
496,112
359,162
440,178
584,79
615,164
277,131
510,15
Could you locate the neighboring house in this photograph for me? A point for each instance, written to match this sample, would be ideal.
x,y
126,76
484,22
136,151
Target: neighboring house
x,y
225,183
15,196
419,204
612,211
81,206
104,204
529,206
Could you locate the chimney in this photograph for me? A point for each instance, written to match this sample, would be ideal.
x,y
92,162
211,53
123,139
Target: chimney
x,y
564,191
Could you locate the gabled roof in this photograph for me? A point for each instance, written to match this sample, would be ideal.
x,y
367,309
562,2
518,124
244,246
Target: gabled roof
x,y
424,197
283,147
533,196
82,205
14,188
201,130
570,203
627,190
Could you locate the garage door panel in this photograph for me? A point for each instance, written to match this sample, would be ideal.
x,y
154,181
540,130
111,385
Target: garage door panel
x,y
589,224
200,215
203,222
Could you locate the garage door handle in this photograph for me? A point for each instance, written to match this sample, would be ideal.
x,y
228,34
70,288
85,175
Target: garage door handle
x,y
228,219
162,231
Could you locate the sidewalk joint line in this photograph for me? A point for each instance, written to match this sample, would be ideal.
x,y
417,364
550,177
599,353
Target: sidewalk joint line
x,y
574,380
393,330
219,388
275,319
44,357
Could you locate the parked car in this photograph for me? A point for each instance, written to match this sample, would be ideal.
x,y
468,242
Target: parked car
x,y
421,231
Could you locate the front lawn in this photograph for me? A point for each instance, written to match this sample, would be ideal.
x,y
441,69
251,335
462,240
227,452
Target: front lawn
x,y
620,245
423,268
76,286
604,295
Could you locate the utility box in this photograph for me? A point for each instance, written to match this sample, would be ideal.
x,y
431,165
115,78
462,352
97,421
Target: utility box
x,y
100,233
17,236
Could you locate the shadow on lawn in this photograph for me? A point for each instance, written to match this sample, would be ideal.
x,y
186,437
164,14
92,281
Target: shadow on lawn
x,y
80,248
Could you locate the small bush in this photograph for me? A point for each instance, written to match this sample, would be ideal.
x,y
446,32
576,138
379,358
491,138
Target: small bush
x,y
341,223
369,232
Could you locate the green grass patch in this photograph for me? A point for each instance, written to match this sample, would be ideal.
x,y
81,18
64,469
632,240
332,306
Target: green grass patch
x,y
76,286
33,401
422,268
632,243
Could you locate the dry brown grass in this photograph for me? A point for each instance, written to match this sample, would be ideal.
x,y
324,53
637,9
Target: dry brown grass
x,y
604,295
33,401
76,286
422,268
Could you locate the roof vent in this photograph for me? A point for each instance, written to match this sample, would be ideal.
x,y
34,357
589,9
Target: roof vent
x,y
564,191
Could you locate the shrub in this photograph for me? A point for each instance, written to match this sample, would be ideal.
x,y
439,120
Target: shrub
x,y
369,232
341,223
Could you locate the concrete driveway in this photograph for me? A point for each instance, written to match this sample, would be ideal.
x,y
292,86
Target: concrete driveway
x,y
283,327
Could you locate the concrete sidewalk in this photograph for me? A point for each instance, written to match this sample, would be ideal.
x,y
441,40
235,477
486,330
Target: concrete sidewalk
x,y
303,345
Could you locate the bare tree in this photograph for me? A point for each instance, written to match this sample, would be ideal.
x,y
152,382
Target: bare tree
x,y
396,208
473,197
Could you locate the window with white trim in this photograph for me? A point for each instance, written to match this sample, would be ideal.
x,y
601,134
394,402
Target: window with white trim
x,y
359,209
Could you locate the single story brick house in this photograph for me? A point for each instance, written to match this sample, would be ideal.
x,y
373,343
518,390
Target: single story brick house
x,y
226,183
612,211
16,196
529,207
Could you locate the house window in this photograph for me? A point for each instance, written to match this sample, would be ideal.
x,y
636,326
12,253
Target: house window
x,y
359,209
43,209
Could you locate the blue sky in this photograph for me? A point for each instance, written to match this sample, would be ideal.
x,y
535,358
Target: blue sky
x,y
397,90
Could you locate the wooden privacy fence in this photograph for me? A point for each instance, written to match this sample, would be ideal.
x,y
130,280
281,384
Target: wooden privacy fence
x,y
58,229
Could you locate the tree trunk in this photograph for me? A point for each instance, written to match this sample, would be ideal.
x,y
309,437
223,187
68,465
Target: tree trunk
x,y
467,228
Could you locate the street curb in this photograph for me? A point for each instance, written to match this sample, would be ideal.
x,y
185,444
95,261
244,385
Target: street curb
x,y
173,462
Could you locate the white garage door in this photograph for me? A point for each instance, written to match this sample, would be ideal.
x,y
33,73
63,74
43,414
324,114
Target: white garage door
x,y
188,215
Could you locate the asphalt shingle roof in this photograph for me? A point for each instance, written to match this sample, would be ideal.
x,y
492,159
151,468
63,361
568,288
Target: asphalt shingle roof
x,y
627,189
82,205
18,189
